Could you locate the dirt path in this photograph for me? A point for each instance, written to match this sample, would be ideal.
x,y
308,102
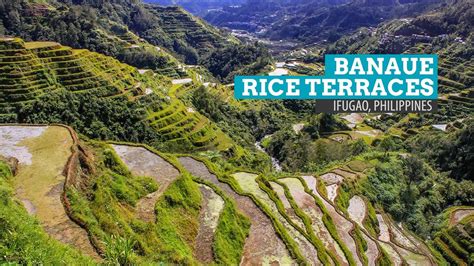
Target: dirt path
x,y
142,162
212,205
263,246
43,152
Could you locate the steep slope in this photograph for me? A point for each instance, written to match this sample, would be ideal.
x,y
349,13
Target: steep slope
x,y
454,241
115,28
198,7
47,82
86,197
311,21
40,191
446,31
22,238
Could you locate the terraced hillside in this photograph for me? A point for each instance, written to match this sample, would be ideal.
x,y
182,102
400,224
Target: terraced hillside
x,y
139,205
42,154
111,227
33,72
138,34
454,241
426,33
181,25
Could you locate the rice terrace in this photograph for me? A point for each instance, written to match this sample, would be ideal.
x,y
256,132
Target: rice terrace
x,y
122,143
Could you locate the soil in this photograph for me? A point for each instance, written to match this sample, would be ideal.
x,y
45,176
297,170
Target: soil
x,y
43,152
392,253
384,234
331,191
458,215
212,205
307,204
354,118
142,162
263,246
372,252
344,227
289,210
357,209
332,178
249,185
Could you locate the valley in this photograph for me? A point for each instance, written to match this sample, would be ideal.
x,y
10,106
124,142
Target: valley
x,y
121,141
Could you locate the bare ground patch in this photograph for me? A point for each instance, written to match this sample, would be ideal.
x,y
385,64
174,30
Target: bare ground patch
x,y
392,253
357,209
344,227
289,210
401,243
142,162
263,246
212,206
372,251
331,178
248,184
307,204
384,234
458,215
43,153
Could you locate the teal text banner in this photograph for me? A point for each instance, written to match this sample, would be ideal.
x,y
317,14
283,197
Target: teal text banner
x,y
402,76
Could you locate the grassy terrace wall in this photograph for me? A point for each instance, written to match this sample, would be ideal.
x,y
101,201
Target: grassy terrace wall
x,y
453,243
22,239
232,228
34,74
191,31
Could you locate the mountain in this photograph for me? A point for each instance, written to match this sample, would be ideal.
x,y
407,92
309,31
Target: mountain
x,y
312,21
113,27
114,149
197,7
45,82
446,31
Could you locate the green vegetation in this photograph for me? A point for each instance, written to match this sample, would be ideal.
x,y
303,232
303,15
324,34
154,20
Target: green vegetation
x,y
237,60
308,150
45,83
177,214
361,244
404,169
230,235
22,239
405,188
453,242
106,209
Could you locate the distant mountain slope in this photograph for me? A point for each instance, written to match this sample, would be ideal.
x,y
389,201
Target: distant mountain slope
x,y
448,32
312,20
198,7
112,27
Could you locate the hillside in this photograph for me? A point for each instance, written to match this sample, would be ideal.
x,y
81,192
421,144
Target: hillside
x,y
101,97
311,21
142,35
121,141
446,31
200,7
106,193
